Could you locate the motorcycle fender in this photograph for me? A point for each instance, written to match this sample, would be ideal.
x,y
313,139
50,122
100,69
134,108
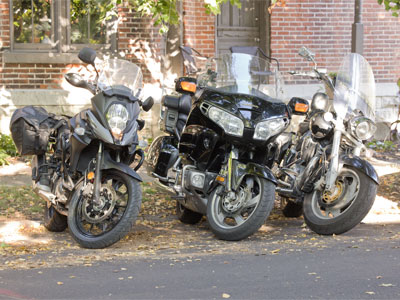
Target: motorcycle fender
x,y
108,163
240,170
361,164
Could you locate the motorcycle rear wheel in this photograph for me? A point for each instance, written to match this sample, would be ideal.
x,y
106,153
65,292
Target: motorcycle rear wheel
x,y
53,220
187,216
248,218
292,209
103,225
327,216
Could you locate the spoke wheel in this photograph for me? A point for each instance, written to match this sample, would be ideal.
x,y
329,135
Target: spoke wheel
x,y
345,207
235,216
98,224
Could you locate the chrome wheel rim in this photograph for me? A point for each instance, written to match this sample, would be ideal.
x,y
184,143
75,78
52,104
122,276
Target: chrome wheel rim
x,y
332,205
230,212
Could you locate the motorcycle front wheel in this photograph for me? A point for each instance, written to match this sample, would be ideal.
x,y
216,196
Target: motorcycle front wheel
x,y
236,216
99,225
335,213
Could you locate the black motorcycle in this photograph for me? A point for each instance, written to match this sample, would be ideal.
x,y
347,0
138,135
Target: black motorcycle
x,y
322,174
81,164
219,150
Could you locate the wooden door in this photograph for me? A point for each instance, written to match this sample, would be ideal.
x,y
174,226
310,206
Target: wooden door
x,y
242,27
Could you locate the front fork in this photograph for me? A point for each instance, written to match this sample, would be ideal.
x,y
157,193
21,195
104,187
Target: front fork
x,y
334,167
334,164
97,174
233,155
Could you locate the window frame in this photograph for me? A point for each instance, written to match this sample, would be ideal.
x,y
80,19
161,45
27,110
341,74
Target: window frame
x,y
61,33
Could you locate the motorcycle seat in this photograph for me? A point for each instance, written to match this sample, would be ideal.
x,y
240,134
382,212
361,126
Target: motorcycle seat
x,y
183,103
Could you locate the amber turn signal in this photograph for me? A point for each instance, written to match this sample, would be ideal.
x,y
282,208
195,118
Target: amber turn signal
x,y
90,175
188,86
220,178
301,107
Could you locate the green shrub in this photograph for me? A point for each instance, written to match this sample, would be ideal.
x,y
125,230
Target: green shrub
x,y
7,149
381,146
7,144
3,158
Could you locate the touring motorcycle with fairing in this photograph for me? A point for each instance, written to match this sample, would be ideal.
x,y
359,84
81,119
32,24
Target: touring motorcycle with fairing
x,y
322,174
81,164
217,155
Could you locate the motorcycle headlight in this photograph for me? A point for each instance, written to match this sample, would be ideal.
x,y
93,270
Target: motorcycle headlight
x,y
266,129
117,116
231,124
362,128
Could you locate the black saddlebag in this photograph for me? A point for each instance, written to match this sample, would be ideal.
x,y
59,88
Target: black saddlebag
x,y
30,128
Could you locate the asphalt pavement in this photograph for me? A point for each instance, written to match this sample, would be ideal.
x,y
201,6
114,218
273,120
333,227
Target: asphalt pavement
x,y
285,262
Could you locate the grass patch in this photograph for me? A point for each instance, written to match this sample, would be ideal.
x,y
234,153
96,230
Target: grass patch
x,y
19,202
22,202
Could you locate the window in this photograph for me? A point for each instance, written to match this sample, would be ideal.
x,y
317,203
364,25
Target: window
x,y
61,25
33,23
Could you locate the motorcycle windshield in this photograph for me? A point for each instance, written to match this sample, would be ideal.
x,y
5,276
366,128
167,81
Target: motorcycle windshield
x,y
119,72
243,74
355,88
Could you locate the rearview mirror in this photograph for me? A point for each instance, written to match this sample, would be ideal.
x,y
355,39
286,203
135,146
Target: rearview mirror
x,y
186,85
307,54
148,104
298,106
76,80
87,55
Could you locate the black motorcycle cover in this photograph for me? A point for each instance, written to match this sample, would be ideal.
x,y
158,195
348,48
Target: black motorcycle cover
x,y
30,128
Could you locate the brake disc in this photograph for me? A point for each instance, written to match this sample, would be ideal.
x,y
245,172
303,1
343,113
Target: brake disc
x,y
98,212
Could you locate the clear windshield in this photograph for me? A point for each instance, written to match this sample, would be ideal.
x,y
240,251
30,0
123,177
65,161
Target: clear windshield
x,y
355,87
244,74
118,72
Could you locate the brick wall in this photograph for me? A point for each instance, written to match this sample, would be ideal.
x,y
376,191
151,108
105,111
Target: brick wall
x,y
4,32
140,42
325,27
382,41
4,24
199,28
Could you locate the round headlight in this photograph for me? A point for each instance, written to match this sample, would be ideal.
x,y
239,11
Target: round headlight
x,y
362,128
321,125
117,116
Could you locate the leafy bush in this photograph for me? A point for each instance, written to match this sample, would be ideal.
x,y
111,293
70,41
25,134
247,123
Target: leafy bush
x,y
3,158
7,144
7,148
381,146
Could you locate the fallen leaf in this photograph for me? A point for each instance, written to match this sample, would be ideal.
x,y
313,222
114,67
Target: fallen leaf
x,y
60,282
370,293
226,296
275,251
386,284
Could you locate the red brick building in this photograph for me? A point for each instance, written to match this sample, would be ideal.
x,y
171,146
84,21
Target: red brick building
x,y
37,48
